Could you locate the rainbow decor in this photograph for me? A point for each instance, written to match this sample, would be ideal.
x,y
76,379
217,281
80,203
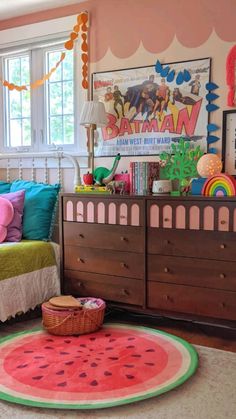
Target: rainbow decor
x,y
219,185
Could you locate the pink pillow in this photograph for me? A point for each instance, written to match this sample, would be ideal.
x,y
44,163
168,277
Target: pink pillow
x,y
6,217
14,230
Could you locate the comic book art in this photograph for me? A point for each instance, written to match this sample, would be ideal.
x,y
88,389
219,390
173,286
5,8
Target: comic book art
x,y
147,113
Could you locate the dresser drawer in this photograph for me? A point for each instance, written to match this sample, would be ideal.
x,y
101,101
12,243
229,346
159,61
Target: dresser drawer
x,y
124,238
192,300
109,262
194,272
124,290
197,244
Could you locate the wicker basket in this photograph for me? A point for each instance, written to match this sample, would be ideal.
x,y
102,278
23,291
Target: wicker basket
x,y
72,321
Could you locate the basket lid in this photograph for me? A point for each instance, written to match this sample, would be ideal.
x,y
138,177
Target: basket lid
x,y
65,301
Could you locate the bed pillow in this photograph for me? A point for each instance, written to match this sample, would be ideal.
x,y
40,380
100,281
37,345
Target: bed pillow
x,y
14,229
39,208
4,187
6,216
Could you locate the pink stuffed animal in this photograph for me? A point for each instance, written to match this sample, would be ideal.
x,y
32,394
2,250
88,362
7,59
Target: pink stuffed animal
x,y
6,216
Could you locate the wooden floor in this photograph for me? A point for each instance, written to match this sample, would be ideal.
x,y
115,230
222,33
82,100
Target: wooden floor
x,y
198,334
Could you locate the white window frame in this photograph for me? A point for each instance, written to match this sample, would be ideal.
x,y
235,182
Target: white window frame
x,y
29,37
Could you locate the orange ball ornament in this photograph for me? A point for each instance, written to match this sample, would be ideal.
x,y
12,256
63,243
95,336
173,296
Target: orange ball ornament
x,y
209,165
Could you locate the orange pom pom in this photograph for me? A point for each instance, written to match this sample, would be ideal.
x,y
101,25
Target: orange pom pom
x,y
84,47
69,44
85,84
76,28
84,17
73,36
84,58
84,36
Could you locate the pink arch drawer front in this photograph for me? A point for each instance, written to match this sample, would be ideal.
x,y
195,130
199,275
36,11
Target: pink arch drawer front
x,y
103,212
193,217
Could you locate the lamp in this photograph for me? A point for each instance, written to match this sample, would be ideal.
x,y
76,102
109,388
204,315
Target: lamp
x,y
93,115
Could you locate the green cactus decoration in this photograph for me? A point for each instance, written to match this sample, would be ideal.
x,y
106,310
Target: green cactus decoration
x,y
181,163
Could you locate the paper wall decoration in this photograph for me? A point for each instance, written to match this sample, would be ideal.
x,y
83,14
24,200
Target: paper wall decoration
x,y
81,26
219,185
182,76
230,76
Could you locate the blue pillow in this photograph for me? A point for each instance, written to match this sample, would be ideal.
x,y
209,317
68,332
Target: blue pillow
x,y
4,187
39,208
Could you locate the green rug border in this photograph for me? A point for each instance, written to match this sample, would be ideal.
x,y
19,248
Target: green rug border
x,y
192,369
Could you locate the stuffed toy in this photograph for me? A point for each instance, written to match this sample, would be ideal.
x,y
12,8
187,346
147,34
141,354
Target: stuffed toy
x,y
6,217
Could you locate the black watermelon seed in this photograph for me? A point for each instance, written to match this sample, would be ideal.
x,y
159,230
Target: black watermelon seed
x,y
38,357
48,347
100,353
113,358
130,377
98,359
109,348
64,353
107,373
44,366
129,366
67,341
61,372
91,350
131,338
92,339
85,360
94,383
78,356
94,364
112,340
28,352
107,335
136,356
38,377
80,351
149,364
23,366
130,346
49,340
83,374
82,345
150,350
62,384
69,363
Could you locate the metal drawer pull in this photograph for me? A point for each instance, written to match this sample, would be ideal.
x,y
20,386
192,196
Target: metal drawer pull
x,y
166,219
222,305
123,216
123,265
222,276
80,260
79,214
124,291
166,241
80,284
222,246
81,236
166,270
123,239
223,222
167,297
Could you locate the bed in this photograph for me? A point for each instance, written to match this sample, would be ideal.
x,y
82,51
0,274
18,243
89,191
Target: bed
x,y
29,266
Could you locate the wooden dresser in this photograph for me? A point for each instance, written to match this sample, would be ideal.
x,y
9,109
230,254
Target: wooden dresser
x,y
171,256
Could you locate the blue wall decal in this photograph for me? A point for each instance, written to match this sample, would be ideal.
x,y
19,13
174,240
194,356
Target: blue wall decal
x,y
164,71
212,127
171,76
158,67
211,96
187,76
212,139
180,78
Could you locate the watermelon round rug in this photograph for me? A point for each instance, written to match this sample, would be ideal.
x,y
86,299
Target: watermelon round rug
x,y
119,364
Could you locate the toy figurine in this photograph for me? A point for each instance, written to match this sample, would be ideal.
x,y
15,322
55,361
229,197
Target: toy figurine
x,y
115,185
102,175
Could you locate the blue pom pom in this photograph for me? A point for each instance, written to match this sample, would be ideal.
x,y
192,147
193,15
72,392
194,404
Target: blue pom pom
x,y
171,76
158,67
211,107
187,75
180,78
211,86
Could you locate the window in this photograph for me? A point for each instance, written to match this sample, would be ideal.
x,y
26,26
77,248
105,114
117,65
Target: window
x,y
44,118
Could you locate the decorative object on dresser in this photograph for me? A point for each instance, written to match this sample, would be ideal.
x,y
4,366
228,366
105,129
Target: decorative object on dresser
x,y
172,256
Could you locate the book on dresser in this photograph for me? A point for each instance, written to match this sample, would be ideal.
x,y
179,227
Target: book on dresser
x,y
169,256
142,175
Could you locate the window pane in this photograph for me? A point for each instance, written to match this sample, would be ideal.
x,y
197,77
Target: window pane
x,y
56,131
17,109
15,133
68,104
68,130
55,99
60,99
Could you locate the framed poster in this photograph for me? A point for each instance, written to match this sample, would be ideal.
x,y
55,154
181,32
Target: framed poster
x,y
229,142
146,113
